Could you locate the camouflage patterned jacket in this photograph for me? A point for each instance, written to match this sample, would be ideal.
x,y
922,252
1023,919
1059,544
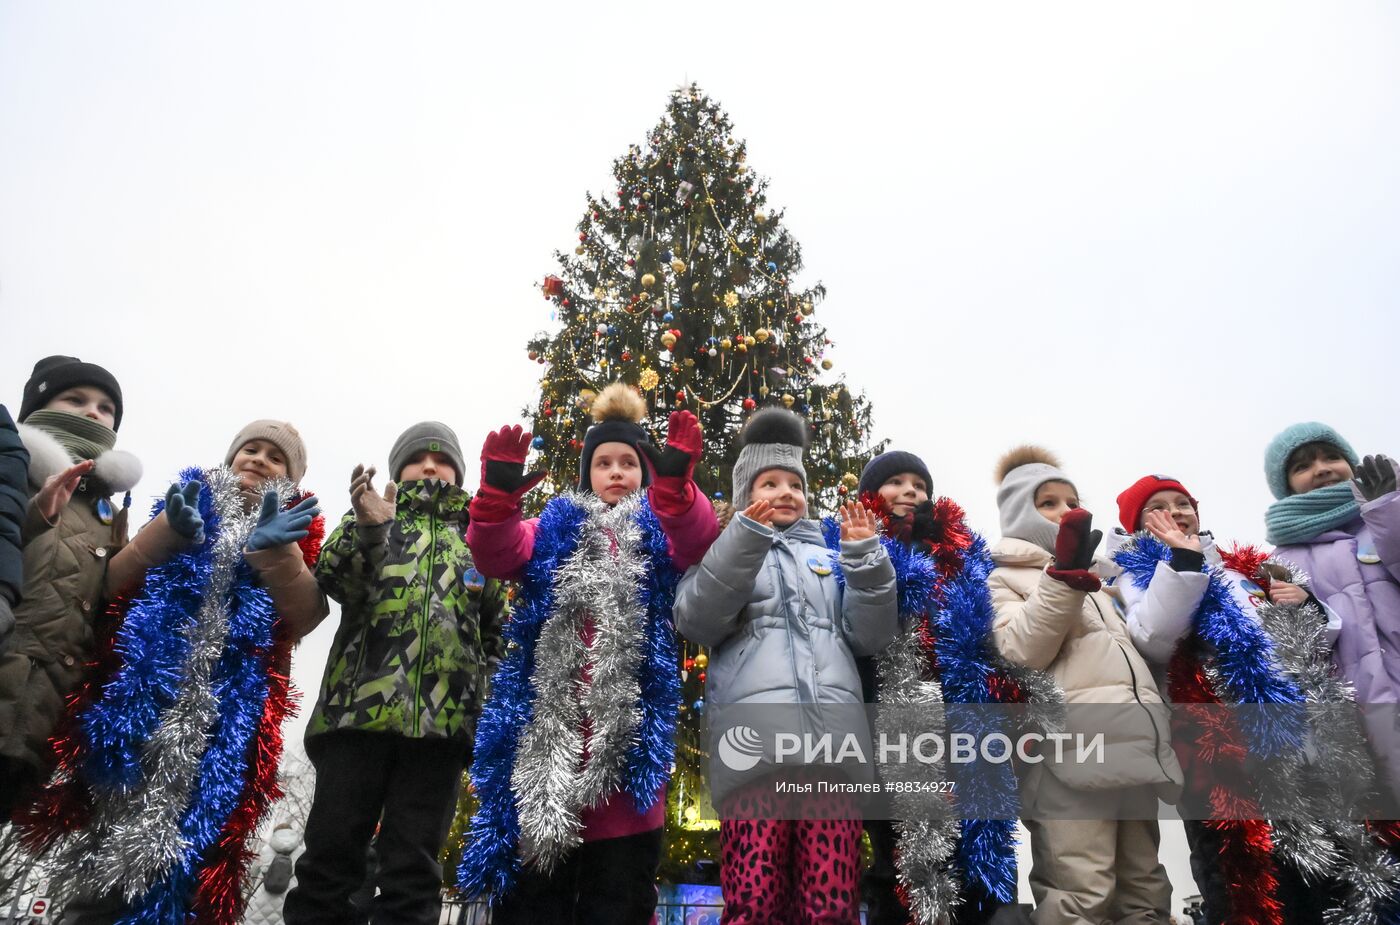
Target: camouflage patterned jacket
x,y
420,628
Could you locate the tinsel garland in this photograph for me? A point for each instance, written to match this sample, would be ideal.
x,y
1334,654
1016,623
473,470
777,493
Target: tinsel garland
x,y
1316,828
205,732
597,566
1242,654
944,653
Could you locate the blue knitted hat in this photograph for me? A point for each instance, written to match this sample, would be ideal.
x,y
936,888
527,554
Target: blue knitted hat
x,y
1288,440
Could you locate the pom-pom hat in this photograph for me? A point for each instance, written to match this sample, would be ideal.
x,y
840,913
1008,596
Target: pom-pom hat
x,y
774,438
617,411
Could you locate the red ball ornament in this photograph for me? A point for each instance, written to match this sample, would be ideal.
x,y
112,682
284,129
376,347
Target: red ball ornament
x,y
680,394
702,677
631,261
808,360
533,354
583,236
689,664
626,355
750,404
565,302
841,490
797,319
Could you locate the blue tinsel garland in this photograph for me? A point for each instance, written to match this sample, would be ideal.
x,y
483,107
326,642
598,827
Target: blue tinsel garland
x,y
490,863
1243,653
961,631
240,684
153,643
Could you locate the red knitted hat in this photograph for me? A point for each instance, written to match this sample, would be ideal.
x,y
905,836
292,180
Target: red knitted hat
x,y
1134,498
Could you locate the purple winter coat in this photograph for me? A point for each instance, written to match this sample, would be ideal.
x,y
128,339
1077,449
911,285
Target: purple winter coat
x,y
1367,597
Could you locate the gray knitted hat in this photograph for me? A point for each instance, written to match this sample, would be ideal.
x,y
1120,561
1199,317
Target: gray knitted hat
x,y
774,438
1020,472
426,437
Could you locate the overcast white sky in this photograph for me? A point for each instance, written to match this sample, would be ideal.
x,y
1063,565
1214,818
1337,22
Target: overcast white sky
x,y
1146,235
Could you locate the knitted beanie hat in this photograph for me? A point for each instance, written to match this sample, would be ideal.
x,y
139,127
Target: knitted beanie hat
x,y
1020,473
616,411
774,438
54,374
280,434
426,437
1134,498
886,466
1287,441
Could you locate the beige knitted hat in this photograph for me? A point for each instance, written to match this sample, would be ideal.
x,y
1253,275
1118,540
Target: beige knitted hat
x,y
279,433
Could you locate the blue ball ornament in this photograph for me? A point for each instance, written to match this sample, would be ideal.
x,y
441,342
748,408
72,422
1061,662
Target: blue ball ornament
x,y
772,267
537,443
668,317
698,706
719,496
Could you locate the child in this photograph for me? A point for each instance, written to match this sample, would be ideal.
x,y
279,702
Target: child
x,y
392,728
167,756
1093,825
1337,519
14,480
1231,630
785,630
68,421
575,744
946,642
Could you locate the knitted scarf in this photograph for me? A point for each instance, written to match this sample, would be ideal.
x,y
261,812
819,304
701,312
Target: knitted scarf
x,y
83,437
1301,518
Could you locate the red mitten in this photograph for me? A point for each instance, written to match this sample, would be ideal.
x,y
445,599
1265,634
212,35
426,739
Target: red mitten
x,y
1074,551
674,467
503,478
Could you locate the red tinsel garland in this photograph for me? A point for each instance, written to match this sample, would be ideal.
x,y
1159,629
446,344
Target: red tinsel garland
x,y
219,898
1203,734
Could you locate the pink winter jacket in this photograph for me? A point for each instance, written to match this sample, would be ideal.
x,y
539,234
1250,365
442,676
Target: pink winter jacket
x,y
501,550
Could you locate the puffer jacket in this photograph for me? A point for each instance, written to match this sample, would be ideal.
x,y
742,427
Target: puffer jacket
x,y
781,628
1355,570
1083,641
65,590
14,480
420,628
1162,614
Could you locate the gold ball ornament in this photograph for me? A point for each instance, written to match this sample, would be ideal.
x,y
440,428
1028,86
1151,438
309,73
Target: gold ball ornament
x,y
726,344
763,391
668,340
579,250
702,660
788,400
761,335
826,364
741,347
689,361
750,340
648,280
850,480
649,379
678,265
760,217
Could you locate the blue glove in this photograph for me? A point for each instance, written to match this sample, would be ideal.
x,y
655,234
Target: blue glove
x,y
182,511
278,528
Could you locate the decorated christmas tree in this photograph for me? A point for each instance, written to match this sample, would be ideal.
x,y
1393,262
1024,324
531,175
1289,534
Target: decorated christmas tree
x,y
684,284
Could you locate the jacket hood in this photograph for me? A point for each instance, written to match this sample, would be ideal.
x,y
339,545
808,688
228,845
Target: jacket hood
x,y
805,530
1017,552
118,470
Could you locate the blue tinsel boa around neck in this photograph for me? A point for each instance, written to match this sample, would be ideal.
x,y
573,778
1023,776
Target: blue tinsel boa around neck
x,y
1242,653
491,863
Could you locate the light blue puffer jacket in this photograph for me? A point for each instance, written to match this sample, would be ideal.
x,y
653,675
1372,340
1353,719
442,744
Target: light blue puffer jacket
x,y
780,627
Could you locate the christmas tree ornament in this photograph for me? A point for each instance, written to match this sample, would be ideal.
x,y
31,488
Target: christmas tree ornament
x,y
826,364
788,400
761,335
648,280
678,265
702,660
668,340
553,287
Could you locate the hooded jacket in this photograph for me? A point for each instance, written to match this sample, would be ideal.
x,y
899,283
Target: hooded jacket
x,y
65,589
780,627
1161,615
1355,571
14,485
420,628
1084,643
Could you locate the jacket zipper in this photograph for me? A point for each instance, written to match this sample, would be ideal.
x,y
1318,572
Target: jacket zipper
x,y
783,590
423,629
1132,672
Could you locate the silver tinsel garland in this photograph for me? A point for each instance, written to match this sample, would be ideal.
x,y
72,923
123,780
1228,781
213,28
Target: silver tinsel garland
x,y
1314,806
134,835
600,582
927,832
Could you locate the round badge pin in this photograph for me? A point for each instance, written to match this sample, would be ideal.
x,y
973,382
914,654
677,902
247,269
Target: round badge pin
x,y
1368,556
819,565
104,510
474,580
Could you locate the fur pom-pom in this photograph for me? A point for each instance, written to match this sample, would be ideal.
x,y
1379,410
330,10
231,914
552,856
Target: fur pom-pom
x,y
775,425
1024,455
619,402
118,470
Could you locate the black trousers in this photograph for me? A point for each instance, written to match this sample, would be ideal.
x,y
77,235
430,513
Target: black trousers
x,y
607,882
406,786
